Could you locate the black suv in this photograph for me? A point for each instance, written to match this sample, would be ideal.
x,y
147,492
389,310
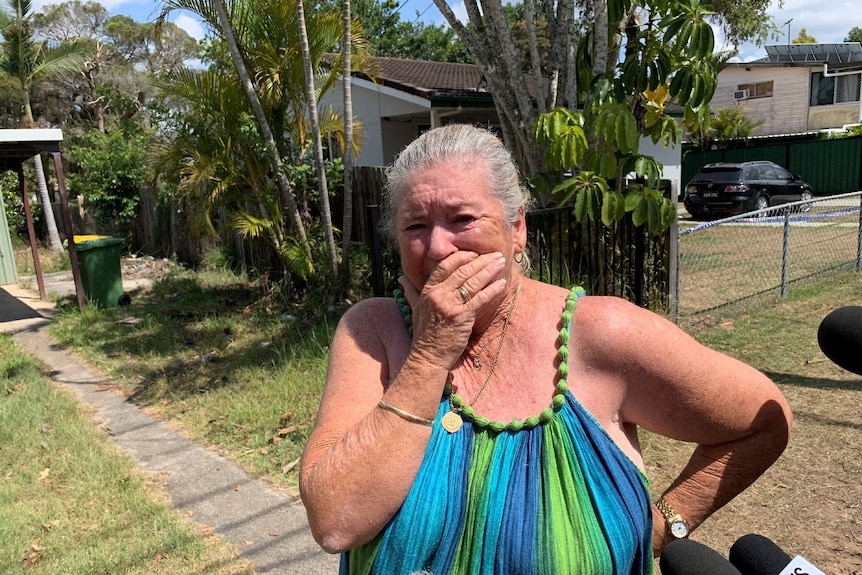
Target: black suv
x,y
725,189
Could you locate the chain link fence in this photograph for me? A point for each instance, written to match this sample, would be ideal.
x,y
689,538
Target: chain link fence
x,y
750,259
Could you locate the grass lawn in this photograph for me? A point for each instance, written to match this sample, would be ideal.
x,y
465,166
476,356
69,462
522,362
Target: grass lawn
x,y
234,366
70,503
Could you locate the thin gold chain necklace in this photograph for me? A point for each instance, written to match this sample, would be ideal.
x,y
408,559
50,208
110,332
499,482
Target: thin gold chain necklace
x,y
452,421
475,360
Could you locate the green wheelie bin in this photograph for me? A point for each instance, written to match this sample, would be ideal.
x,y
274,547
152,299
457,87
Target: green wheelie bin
x,y
99,262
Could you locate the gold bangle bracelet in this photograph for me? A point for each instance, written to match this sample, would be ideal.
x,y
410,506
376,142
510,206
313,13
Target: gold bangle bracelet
x,y
405,415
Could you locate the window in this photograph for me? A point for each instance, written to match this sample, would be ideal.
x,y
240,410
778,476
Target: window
x,y
827,90
758,90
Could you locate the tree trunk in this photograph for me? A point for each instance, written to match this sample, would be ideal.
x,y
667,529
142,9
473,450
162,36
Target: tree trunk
x,y
47,208
266,132
535,62
600,37
42,183
326,214
347,222
489,40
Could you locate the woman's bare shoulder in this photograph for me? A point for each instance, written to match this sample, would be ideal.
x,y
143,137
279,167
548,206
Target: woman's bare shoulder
x,y
375,316
609,325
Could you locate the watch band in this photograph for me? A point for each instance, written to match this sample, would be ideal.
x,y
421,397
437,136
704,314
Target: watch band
x,y
677,526
665,509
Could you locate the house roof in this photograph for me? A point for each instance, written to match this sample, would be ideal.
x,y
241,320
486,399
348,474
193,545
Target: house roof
x,y
432,80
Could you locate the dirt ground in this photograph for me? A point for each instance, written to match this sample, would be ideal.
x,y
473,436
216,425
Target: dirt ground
x,y
145,267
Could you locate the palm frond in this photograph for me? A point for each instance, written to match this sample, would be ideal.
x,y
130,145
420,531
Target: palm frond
x,y
249,226
63,60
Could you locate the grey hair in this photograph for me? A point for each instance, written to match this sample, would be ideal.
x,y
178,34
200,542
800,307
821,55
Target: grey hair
x,y
455,141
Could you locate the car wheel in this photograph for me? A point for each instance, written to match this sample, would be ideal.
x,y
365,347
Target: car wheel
x,y
805,197
761,203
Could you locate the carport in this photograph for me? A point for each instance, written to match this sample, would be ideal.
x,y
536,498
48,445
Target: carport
x,y
18,146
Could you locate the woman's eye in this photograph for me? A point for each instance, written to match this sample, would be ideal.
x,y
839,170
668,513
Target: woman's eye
x,y
414,227
464,219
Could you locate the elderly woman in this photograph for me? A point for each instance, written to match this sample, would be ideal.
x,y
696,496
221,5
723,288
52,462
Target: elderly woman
x,y
484,422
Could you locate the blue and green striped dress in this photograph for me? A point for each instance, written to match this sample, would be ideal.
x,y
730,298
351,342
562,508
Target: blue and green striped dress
x,y
550,495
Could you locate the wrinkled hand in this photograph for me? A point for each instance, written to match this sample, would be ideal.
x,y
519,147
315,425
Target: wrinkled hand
x,y
442,321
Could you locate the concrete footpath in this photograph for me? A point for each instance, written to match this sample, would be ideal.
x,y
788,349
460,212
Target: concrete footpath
x,y
268,527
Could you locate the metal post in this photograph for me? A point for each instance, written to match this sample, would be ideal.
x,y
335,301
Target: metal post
x,y
785,253
375,246
859,238
31,232
70,237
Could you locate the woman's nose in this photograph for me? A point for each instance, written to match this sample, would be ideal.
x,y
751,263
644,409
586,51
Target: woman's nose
x,y
441,243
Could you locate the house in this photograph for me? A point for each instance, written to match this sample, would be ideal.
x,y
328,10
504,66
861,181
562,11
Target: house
x,y
406,97
796,88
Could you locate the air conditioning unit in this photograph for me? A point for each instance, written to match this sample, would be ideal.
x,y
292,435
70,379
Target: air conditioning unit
x,y
740,95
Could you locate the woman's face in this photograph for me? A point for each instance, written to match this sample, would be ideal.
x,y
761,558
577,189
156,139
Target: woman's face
x,y
448,208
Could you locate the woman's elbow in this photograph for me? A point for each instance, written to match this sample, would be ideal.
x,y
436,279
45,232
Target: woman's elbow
x,y
331,541
335,534
775,422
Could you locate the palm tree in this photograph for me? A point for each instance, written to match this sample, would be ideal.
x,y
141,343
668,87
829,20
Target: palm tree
x,y
215,160
266,131
267,33
29,61
326,214
347,222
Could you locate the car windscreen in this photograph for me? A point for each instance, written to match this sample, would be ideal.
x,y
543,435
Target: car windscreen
x,y
718,174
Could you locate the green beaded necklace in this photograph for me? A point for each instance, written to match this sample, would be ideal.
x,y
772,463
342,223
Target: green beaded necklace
x,y
482,423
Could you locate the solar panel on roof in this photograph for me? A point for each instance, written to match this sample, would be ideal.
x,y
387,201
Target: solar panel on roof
x,y
830,53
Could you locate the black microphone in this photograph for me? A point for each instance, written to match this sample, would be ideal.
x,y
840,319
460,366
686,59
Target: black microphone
x,y
755,554
687,557
840,337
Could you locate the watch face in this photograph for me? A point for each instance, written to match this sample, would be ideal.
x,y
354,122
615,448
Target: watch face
x,y
679,529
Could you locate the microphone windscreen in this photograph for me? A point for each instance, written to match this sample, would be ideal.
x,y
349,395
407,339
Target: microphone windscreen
x,y
687,557
755,554
840,337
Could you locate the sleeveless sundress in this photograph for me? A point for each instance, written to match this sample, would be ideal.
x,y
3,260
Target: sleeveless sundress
x,y
549,495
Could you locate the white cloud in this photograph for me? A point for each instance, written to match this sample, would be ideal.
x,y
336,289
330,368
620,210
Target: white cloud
x,y
192,25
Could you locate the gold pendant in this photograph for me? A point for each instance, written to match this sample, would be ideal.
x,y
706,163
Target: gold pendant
x,y
451,422
477,363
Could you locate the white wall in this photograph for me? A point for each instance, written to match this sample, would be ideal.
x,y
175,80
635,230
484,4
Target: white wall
x,y
670,158
785,112
373,103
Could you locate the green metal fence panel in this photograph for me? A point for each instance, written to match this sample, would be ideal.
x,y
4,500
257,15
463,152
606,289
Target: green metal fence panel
x,y
830,166
8,273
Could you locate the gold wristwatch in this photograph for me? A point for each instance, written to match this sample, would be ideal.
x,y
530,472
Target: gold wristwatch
x,y
677,526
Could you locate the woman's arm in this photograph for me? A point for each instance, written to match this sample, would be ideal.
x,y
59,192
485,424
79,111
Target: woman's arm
x,y
361,460
676,387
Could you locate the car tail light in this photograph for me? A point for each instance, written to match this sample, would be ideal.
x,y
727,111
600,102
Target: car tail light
x,y
738,189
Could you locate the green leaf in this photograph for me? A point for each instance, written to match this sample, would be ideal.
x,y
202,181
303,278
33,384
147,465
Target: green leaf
x,y
613,207
640,213
608,165
653,216
567,187
581,205
668,213
633,198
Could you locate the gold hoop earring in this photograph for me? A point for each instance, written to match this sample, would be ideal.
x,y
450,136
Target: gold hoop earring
x,y
518,257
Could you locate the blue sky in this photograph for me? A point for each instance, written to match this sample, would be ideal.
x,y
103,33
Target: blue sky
x,y
827,20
